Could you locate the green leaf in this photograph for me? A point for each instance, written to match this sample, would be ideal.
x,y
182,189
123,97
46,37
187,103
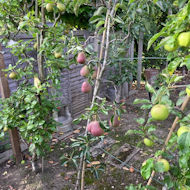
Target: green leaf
x,y
95,19
100,23
131,1
32,147
99,11
130,132
173,65
140,121
149,88
76,121
141,101
147,168
187,61
155,37
101,31
184,140
147,106
181,3
118,20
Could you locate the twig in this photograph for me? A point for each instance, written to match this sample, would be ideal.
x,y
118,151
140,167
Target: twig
x,y
56,19
79,173
169,134
178,86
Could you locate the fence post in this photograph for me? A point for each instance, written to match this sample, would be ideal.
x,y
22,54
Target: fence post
x,y
140,51
5,93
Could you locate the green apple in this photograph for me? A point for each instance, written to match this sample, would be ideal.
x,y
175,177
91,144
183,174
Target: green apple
x,y
187,91
170,47
148,142
165,163
184,39
61,7
159,112
182,130
49,7
57,54
12,75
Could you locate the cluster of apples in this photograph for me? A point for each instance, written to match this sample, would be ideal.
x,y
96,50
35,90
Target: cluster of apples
x,y
94,126
159,112
86,87
183,40
60,6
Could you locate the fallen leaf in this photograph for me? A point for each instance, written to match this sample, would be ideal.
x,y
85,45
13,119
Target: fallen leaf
x,y
125,168
51,161
5,173
54,140
66,177
73,140
105,142
93,163
76,131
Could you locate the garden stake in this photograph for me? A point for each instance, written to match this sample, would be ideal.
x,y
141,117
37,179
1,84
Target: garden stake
x,y
169,134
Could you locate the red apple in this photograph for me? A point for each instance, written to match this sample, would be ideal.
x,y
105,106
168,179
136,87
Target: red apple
x,y
89,127
81,58
115,123
95,129
84,71
86,87
94,73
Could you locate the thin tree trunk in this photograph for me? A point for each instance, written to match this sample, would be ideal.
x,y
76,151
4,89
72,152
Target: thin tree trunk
x,y
140,51
40,56
99,73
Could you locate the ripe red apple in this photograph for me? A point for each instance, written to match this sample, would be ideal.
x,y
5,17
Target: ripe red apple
x,y
95,128
89,127
94,73
115,123
81,58
84,71
86,87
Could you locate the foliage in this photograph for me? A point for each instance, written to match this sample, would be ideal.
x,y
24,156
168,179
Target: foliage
x,y
34,104
30,113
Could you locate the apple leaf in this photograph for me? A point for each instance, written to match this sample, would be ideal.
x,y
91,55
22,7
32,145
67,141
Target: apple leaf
x,y
184,140
141,101
149,88
147,168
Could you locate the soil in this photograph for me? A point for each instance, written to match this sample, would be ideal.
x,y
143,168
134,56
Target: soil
x,y
58,177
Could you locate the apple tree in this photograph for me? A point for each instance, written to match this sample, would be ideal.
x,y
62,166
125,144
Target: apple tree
x,y
174,37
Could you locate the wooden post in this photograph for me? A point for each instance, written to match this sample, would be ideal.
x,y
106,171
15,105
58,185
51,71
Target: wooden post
x,y
140,51
5,93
